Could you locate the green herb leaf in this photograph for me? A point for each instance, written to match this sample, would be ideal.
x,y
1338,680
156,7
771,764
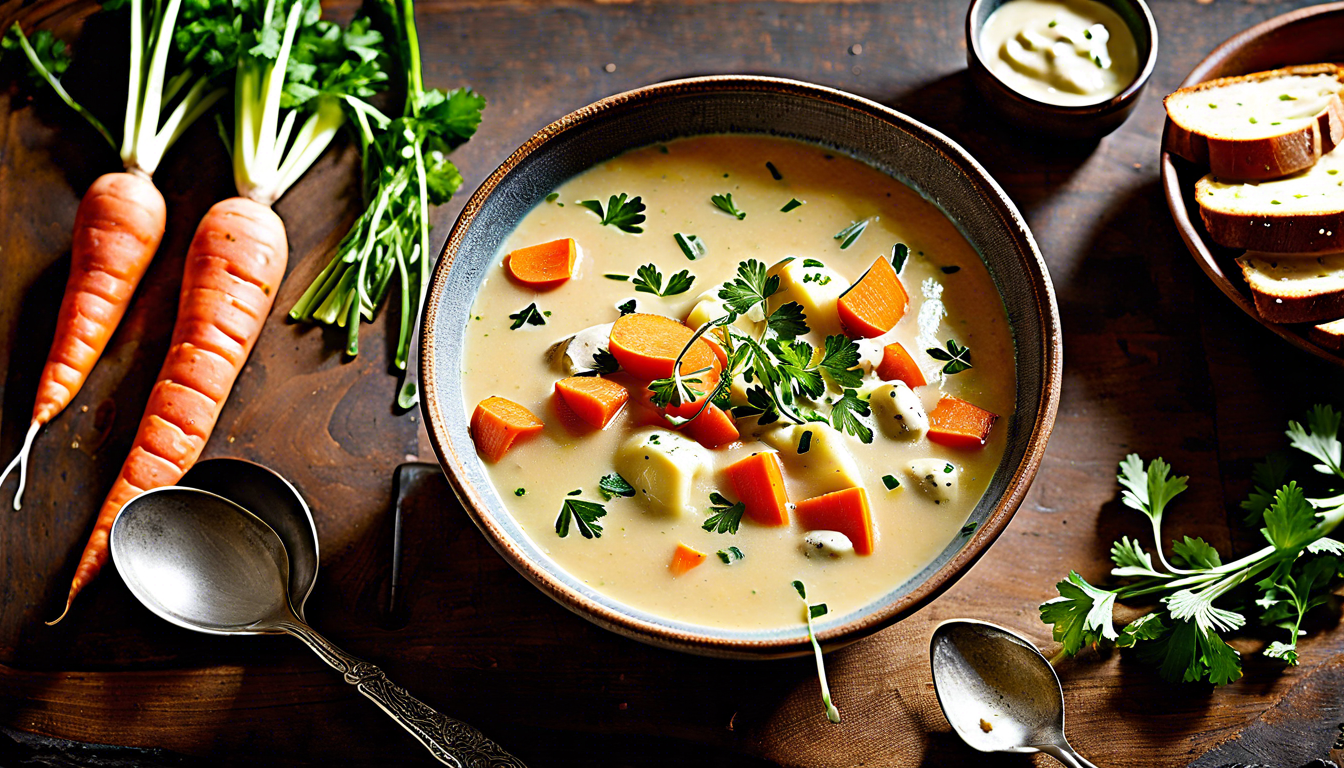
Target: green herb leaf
x,y
1131,560
845,414
725,204
603,363
582,514
788,321
626,308
749,288
730,555
789,206
726,516
849,234
692,246
1081,615
613,485
621,212
840,361
891,482
900,253
956,359
1266,477
1319,438
528,315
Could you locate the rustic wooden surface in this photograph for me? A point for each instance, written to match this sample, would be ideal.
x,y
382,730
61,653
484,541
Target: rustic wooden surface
x,y
1156,361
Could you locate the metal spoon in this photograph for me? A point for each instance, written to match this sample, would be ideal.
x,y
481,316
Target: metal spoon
x,y
202,562
998,692
270,497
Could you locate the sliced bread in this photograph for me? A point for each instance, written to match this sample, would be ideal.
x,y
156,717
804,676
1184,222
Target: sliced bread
x,y
1329,335
1301,213
1295,289
1259,126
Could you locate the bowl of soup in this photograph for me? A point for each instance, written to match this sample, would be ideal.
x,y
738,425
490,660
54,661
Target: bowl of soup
x,y
698,344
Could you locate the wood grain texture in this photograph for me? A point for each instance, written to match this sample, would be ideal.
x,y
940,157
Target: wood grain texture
x,y
1157,361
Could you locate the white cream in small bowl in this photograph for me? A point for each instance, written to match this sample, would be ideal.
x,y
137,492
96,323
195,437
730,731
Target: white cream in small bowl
x,y
1064,52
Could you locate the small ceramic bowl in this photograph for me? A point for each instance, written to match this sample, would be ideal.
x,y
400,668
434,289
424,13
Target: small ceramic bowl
x,y
917,155
1088,122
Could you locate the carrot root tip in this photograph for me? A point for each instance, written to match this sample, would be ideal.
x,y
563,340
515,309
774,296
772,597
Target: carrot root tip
x,y
21,461
57,620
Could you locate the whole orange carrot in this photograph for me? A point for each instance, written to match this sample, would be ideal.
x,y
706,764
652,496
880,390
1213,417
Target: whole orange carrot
x,y
236,262
120,220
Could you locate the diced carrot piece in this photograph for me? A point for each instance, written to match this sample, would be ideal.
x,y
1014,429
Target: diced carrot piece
x,y
874,304
712,428
958,424
497,423
759,483
647,346
844,511
684,559
897,365
544,266
592,398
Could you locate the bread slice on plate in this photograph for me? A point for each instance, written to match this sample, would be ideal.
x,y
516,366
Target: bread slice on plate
x,y
1259,126
1329,335
1301,213
1292,288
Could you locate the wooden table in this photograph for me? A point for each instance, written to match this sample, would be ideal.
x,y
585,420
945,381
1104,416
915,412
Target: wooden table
x,y
1156,362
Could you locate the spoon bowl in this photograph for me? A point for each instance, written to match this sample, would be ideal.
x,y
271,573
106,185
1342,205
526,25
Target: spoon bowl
x,y
998,692
201,561
270,497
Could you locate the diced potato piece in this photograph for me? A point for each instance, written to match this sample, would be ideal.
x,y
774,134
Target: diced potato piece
x,y
898,411
815,288
576,354
939,479
826,544
816,454
662,467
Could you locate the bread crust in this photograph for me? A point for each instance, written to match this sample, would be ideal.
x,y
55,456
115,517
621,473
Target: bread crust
x,y
1302,233
1263,158
1329,335
1289,304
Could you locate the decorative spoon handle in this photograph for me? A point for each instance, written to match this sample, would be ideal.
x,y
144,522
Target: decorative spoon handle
x,y
452,742
1065,754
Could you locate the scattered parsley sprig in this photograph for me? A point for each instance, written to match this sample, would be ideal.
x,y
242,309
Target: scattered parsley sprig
x,y
725,203
956,359
727,515
1205,598
626,214
649,280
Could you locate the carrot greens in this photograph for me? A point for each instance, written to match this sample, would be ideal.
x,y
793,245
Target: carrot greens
x,y
406,170
1201,598
179,52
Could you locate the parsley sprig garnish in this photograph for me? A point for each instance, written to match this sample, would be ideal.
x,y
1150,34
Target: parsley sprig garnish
x,y
626,214
1205,598
649,280
528,315
725,203
727,515
613,485
956,359
583,515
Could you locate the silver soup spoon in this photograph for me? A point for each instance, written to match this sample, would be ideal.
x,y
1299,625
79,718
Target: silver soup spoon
x,y
202,562
998,692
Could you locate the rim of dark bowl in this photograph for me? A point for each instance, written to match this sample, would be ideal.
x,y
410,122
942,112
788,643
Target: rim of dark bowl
x,y
1131,91
647,628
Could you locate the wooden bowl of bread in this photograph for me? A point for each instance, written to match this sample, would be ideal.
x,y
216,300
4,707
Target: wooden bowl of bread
x,y
1253,173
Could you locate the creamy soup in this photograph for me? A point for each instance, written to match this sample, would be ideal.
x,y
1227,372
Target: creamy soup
x,y
818,221
1066,52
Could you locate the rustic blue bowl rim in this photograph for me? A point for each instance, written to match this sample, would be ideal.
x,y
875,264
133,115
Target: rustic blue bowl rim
x,y
456,280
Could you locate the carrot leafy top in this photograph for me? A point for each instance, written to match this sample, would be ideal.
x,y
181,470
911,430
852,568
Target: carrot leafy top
x,y
180,51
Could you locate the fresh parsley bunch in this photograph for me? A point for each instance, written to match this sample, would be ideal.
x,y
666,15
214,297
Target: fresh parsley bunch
x,y
406,170
1201,598
783,381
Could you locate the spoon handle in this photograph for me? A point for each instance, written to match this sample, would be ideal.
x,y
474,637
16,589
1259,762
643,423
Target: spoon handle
x,y
452,742
1065,754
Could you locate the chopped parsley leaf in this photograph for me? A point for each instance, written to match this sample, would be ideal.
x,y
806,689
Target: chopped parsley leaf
x,y
528,315
726,517
691,245
624,214
582,514
957,357
613,485
649,280
789,206
725,204
730,555
849,234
